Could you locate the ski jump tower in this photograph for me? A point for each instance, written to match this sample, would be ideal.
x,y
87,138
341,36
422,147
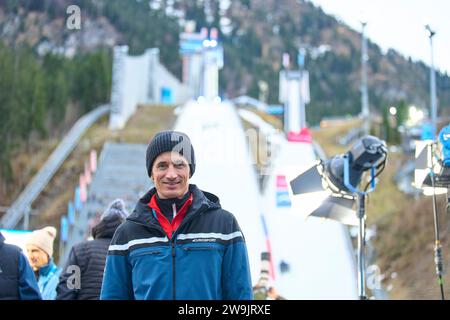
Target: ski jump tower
x,y
202,59
294,94
141,79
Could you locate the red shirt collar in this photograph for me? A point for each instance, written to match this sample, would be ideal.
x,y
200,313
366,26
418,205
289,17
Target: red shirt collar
x,y
170,228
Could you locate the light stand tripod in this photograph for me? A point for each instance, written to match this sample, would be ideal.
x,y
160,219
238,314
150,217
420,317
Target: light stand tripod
x,y
361,213
437,247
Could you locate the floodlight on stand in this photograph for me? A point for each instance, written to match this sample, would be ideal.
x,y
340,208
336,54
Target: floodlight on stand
x,y
339,174
342,175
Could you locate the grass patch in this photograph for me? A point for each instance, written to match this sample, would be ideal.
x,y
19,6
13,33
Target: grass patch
x,y
273,120
327,137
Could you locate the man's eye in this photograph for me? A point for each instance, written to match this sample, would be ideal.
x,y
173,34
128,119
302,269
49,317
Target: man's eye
x,y
161,166
180,165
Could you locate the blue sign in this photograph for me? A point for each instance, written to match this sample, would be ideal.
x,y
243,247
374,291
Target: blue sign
x,y
71,213
166,95
301,58
64,229
191,45
77,200
283,199
275,110
14,231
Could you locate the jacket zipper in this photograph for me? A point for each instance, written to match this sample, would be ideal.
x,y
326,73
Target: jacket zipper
x,y
172,241
173,268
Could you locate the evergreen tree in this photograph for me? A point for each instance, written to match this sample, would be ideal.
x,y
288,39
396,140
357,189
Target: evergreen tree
x,y
35,92
56,77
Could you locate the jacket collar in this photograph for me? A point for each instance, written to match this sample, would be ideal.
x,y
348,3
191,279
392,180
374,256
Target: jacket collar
x,y
50,267
202,201
106,227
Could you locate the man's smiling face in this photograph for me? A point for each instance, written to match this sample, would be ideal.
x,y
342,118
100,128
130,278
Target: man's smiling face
x,y
170,174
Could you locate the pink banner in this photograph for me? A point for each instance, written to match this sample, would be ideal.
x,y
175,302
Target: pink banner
x,y
303,136
281,182
87,173
83,188
93,160
286,60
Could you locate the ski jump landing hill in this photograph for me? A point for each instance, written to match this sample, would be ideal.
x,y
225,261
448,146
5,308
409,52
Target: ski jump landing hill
x,y
318,253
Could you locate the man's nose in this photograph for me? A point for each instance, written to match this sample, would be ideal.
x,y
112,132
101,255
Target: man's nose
x,y
171,173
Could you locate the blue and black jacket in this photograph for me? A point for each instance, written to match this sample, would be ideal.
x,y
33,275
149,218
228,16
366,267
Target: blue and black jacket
x,y
206,258
17,280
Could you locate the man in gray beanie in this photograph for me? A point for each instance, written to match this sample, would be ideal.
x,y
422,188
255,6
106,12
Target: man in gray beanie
x,y
178,243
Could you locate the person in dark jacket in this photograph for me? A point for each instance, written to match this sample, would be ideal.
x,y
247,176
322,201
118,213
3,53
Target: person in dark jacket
x,y
178,243
17,280
87,259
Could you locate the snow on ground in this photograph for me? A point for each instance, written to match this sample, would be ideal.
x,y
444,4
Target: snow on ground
x,y
319,252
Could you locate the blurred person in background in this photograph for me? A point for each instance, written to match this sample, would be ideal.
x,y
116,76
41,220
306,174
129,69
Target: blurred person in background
x,y
87,259
40,255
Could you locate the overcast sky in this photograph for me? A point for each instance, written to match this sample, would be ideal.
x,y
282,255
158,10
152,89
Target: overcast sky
x,y
399,24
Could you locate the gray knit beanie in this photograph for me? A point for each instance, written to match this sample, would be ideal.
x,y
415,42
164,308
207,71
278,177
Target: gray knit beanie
x,y
115,208
170,141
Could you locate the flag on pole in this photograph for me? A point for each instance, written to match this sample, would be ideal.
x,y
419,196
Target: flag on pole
x,y
87,173
64,229
286,60
77,201
93,160
71,213
83,189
